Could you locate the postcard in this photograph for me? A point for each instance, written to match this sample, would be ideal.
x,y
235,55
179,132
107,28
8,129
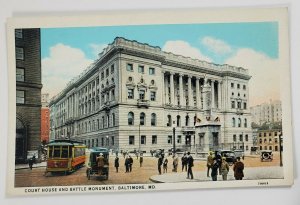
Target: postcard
x,y
149,100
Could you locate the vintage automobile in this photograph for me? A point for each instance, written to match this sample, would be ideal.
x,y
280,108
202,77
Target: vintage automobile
x,y
239,153
229,155
266,155
92,166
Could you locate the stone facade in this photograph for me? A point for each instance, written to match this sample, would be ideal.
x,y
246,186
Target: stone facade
x,y
28,88
134,95
269,140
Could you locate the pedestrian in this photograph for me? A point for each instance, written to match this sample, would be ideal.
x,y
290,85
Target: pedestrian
x,y
189,164
31,161
165,165
214,170
224,169
159,163
209,162
117,163
219,160
126,164
130,163
238,169
183,162
100,163
175,162
141,159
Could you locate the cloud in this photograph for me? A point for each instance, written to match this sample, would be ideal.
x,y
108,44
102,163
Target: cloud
x,y
216,46
97,48
265,82
63,64
185,49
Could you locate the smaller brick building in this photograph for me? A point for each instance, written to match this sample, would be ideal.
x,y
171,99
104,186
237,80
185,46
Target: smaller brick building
x,y
45,124
268,140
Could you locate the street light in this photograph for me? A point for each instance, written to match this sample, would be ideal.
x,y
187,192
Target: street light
x,y
173,125
107,141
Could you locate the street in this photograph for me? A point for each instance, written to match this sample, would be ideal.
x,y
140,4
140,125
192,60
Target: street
x,y
139,175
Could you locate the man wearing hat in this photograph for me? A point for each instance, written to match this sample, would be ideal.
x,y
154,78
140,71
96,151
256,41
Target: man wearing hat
x,y
224,168
100,163
209,162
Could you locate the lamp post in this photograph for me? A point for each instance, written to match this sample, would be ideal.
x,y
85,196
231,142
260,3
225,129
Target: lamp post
x,y
174,125
107,141
280,149
139,138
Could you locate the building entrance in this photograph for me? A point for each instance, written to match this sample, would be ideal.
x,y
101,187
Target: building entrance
x,y
20,141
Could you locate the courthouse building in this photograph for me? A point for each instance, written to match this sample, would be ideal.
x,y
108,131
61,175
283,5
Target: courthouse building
x,y
135,95
28,93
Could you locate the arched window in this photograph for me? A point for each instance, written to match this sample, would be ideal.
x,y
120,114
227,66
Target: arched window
x,y
153,119
178,121
187,120
233,122
113,120
245,123
169,123
239,122
130,118
142,119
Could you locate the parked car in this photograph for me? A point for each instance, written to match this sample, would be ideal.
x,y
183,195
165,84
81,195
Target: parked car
x,y
239,153
266,155
170,151
229,155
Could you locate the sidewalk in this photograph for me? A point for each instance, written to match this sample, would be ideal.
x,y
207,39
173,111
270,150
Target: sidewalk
x,y
26,166
255,173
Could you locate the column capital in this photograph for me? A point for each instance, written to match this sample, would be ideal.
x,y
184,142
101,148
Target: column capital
x,y
190,76
181,74
198,77
172,73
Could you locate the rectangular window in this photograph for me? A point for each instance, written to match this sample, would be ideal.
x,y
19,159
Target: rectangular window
x,y
241,138
232,104
152,96
130,94
275,133
112,140
19,33
246,138
234,138
112,68
170,139
179,139
142,94
151,71
102,75
129,67
143,139
232,85
20,96
245,105
244,87
239,105
238,86
102,141
19,53
107,72
20,74
141,69
131,140
154,139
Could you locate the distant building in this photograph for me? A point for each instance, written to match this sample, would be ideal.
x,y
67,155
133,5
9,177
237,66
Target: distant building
x,y
135,96
267,113
45,118
28,91
268,140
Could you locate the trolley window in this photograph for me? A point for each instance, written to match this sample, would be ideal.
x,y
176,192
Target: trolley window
x,y
56,153
64,152
50,151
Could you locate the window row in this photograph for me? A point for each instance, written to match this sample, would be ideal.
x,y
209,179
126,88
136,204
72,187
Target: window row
x,y
270,134
106,72
241,138
238,86
238,105
270,140
142,120
104,122
102,142
141,69
142,94
276,148
239,122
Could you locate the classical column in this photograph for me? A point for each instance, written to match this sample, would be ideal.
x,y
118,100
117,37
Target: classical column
x,y
219,95
163,96
190,94
198,99
172,88
166,90
182,103
213,94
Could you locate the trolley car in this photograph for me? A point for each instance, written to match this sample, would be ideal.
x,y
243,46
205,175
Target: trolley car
x,y
65,156
92,166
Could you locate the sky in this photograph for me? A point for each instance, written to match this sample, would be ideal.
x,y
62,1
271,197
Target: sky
x,y
66,52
